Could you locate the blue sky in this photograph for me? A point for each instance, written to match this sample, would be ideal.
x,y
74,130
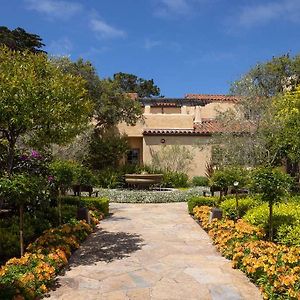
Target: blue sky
x,y
186,46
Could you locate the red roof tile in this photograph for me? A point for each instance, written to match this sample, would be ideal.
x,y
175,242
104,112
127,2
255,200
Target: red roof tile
x,y
213,98
206,127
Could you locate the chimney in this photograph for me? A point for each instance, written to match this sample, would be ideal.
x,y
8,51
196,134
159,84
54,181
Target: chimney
x,y
197,115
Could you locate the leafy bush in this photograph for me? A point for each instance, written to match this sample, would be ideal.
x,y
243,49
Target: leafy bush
x,y
201,201
144,196
110,178
93,203
200,181
286,216
175,180
229,206
274,268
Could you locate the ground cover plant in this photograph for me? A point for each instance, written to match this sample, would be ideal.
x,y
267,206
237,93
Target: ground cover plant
x,y
273,267
146,196
30,276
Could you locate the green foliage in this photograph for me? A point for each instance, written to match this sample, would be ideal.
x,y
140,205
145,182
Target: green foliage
x,y
20,40
84,176
98,203
39,101
146,196
201,201
286,219
130,83
200,181
287,116
228,206
63,173
175,180
110,178
172,158
106,149
271,183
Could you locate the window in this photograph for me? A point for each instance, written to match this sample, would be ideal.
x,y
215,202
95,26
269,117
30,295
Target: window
x,y
133,157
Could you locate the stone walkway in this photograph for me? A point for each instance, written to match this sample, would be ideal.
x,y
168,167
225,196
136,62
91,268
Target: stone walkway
x,y
151,251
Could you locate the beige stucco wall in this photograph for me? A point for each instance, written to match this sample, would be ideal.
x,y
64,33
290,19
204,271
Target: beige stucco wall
x,y
211,110
197,145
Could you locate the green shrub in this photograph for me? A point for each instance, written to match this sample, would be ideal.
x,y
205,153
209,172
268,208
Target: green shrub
x,y
201,201
175,180
229,206
200,181
110,178
286,219
99,203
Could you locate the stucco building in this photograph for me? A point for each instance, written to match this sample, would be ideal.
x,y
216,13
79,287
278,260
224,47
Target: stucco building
x,y
188,121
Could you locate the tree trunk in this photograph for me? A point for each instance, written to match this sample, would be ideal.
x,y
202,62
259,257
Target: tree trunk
x,y
11,154
59,209
21,229
237,205
270,221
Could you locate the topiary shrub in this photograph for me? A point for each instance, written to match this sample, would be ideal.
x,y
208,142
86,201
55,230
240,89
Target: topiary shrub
x,y
200,181
201,201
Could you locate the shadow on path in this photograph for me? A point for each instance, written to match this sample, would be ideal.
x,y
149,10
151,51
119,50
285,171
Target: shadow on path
x,y
106,246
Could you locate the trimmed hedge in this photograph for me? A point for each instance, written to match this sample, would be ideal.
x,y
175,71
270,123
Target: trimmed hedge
x,y
98,203
201,201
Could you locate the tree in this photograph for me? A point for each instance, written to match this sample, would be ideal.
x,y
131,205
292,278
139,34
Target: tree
x,y
255,114
20,40
37,99
287,114
111,104
272,184
130,83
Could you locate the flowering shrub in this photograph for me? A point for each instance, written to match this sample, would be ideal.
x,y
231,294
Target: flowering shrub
x,y
274,268
30,276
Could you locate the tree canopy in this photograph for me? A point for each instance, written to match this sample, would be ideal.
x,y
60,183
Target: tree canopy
x,y
130,83
37,99
19,39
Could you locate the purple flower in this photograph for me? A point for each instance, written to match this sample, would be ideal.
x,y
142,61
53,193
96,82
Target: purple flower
x,y
23,157
50,178
35,154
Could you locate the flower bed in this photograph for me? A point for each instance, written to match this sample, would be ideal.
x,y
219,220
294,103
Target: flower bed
x,y
143,196
31,275
274,268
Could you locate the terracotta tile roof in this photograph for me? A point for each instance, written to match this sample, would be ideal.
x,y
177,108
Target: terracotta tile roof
x,y
206,127
213,98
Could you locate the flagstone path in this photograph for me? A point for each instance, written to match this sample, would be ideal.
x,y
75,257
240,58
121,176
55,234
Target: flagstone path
x,y
151,251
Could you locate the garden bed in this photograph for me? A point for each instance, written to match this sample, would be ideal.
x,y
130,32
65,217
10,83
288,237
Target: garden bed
x,y
146,196
30,276
273,267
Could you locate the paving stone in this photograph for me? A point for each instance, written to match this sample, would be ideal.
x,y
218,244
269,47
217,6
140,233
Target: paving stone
x,y
151,251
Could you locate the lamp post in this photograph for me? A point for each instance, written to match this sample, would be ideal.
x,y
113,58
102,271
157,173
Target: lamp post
x,y
236,184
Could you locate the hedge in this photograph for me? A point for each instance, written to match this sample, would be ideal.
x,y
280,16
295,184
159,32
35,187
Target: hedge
x,y
201,201
98,203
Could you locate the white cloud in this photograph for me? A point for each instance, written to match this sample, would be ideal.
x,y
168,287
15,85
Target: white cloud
x,y
167,8
60,47
105,30
149,44
53,8
255,15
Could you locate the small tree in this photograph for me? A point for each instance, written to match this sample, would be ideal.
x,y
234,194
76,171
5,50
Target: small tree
x,y
172,158
272,184
22,189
